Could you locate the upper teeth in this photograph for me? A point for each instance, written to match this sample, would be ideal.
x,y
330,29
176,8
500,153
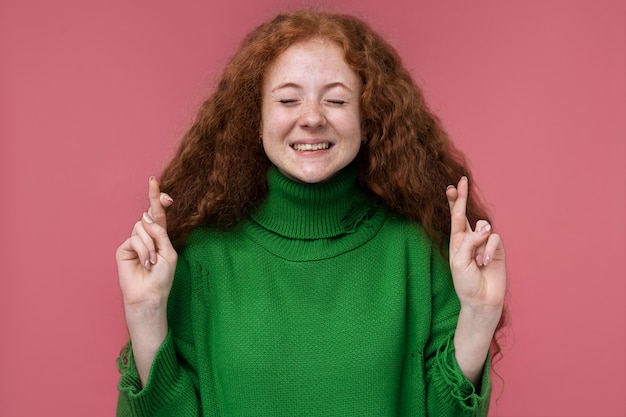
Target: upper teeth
x,y
310,146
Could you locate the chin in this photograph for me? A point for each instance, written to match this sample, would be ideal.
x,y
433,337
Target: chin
x,y
314,178
309,177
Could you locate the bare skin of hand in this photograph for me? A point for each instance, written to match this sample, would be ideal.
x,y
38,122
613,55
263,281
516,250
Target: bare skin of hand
x,y
478,268
146,262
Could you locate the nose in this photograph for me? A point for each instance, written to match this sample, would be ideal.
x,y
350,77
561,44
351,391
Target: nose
x,y
312,116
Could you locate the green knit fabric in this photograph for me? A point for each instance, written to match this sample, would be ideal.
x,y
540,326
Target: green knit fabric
x,y
319,304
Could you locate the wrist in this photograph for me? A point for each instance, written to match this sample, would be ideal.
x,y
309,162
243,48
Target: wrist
x,y
147,321
146,311
480,318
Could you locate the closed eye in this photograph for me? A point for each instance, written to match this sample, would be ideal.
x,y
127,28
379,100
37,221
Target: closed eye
x,y
337,102
288,101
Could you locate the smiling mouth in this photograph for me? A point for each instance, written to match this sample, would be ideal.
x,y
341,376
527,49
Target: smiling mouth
x,y
303,147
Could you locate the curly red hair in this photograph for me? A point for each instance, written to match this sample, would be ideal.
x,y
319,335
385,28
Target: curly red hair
x,y
219,172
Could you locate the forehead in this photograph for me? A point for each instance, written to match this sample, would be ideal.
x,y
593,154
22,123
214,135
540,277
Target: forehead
x,y
314,58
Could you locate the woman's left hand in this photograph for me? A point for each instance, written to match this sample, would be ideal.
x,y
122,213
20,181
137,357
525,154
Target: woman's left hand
x,y
476,258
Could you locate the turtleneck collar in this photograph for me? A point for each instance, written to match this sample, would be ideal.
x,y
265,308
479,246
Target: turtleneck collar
x,y
313,211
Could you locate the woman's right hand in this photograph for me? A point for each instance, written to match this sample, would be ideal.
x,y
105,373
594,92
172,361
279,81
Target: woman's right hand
x,y
146,262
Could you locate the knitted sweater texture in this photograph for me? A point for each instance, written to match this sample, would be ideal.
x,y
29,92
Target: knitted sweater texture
x,y
320,303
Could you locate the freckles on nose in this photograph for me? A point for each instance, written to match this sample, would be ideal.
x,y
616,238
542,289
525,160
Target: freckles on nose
x,y
312,116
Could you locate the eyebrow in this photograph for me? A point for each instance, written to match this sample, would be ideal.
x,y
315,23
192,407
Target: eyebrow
x,y
295,85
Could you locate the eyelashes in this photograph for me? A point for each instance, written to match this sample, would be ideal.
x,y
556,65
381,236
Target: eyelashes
x,y
331,101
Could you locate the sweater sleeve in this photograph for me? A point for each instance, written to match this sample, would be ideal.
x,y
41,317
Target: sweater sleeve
x,y
172,386
449,392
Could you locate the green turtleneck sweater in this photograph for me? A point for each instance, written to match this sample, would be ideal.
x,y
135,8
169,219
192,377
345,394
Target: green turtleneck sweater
x,y
319,304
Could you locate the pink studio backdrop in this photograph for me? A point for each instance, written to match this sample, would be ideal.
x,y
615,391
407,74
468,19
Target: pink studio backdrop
x,y
93,96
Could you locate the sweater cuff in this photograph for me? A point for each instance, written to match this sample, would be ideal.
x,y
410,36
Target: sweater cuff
x,y
455,382
158,392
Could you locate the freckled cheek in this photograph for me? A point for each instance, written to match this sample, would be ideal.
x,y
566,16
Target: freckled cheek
x,y
277,123
350,129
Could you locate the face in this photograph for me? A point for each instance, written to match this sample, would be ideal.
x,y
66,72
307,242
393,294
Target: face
x,y
310,118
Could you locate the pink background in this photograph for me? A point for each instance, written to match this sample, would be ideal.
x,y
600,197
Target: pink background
x,y
94,95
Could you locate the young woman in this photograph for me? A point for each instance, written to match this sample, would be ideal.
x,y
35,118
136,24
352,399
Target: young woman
x,y
316,249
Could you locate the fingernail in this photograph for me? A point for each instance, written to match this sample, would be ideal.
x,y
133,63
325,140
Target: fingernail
x,y
153,257
151,178
487,260
485,229
147,264
147,218
479,260
167,197
450,186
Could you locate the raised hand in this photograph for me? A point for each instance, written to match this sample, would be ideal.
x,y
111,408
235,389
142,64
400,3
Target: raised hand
x,y
476,256
146,262
479,273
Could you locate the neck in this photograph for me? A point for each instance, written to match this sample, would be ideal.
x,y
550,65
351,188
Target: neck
x,y
312,211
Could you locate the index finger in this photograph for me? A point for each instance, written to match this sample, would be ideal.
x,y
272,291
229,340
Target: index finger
x,y
157,211
457,199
